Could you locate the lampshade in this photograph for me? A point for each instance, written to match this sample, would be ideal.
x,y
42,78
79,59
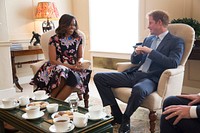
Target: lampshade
x,y
47,10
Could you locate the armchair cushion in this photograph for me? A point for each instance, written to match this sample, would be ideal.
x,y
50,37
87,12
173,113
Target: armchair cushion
x,y
123,93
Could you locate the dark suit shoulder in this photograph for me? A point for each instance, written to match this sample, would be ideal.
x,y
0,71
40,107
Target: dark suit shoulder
x,y
173,37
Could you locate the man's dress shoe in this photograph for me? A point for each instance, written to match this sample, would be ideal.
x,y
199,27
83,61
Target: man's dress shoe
x,y
125,127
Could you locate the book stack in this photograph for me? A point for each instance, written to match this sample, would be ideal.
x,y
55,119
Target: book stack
x,y
16,46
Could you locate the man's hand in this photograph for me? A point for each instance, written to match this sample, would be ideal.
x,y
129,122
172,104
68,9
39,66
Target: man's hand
x,y
181,111
194,97
143,50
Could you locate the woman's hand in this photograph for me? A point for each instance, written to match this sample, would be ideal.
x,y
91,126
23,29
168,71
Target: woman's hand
x,y
74,67
77,67
79,64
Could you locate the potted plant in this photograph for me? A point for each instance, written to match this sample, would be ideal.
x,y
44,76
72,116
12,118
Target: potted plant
x,y
193,23
190,21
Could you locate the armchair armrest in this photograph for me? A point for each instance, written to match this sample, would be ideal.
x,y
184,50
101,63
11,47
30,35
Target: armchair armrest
x,y
37,65
171,82
86,64
121,66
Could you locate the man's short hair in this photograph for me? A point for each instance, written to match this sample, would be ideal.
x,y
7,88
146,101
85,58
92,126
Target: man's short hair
x,y
160,15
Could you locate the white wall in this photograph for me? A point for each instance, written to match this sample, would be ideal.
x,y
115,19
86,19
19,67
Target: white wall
x,y
6,86
21,19
81,12
3,22
170,6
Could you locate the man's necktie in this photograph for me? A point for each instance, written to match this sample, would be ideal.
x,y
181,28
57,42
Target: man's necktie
x,y
145,66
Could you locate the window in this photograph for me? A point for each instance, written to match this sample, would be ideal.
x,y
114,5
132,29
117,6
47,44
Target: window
x,y
113,25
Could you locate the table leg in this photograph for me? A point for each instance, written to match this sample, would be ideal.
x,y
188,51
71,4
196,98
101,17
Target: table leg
x,y
2,129
15,78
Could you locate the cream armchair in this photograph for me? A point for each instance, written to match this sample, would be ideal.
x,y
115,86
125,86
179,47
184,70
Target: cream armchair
x,y
44,44
171,80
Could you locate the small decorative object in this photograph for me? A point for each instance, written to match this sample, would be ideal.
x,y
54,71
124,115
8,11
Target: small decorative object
x,y
47,10
35,36
190,21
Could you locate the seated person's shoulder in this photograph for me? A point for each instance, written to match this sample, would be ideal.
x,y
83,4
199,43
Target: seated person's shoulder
x,y
175,37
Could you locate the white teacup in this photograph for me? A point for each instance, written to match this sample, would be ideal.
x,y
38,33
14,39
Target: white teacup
x,y
39,94
61,123
95,111
52,108
24,100
32,111
9,102
80,120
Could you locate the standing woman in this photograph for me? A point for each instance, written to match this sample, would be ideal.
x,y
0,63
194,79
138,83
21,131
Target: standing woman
x,y
63,72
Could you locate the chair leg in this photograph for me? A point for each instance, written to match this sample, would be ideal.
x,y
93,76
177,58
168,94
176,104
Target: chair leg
x,y
86,97
152,122
80,96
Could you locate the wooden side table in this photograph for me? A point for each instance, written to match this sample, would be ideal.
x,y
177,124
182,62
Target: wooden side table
x,y
22,52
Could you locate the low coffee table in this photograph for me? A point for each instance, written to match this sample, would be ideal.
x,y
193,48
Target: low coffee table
x,y
41,125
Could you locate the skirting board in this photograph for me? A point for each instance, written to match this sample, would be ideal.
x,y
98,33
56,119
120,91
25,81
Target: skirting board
x,y
6,93
190,90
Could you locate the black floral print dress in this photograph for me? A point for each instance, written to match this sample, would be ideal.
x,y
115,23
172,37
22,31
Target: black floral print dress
x,y
48,77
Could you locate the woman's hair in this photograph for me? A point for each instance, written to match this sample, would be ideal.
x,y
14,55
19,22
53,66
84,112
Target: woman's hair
x,y
160,15
64,23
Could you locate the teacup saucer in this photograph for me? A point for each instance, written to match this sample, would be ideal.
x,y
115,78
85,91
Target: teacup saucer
x,y
44,98
53,129
103,115
25,116
6,108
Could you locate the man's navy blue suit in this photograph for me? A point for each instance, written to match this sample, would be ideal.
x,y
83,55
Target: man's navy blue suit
x,y
167,55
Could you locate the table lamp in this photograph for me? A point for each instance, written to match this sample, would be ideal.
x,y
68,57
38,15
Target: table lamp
x,y
47,10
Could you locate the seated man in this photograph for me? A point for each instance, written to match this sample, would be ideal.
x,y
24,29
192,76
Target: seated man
x,y
181,114
159,52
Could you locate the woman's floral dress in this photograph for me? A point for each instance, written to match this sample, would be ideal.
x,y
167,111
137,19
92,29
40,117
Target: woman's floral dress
x,y
48,77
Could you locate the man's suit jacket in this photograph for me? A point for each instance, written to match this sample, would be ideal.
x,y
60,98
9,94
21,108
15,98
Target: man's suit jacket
x,y
167,55
198,112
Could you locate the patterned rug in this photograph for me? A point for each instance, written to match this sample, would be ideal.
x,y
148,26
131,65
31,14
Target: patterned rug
x,y
139,120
